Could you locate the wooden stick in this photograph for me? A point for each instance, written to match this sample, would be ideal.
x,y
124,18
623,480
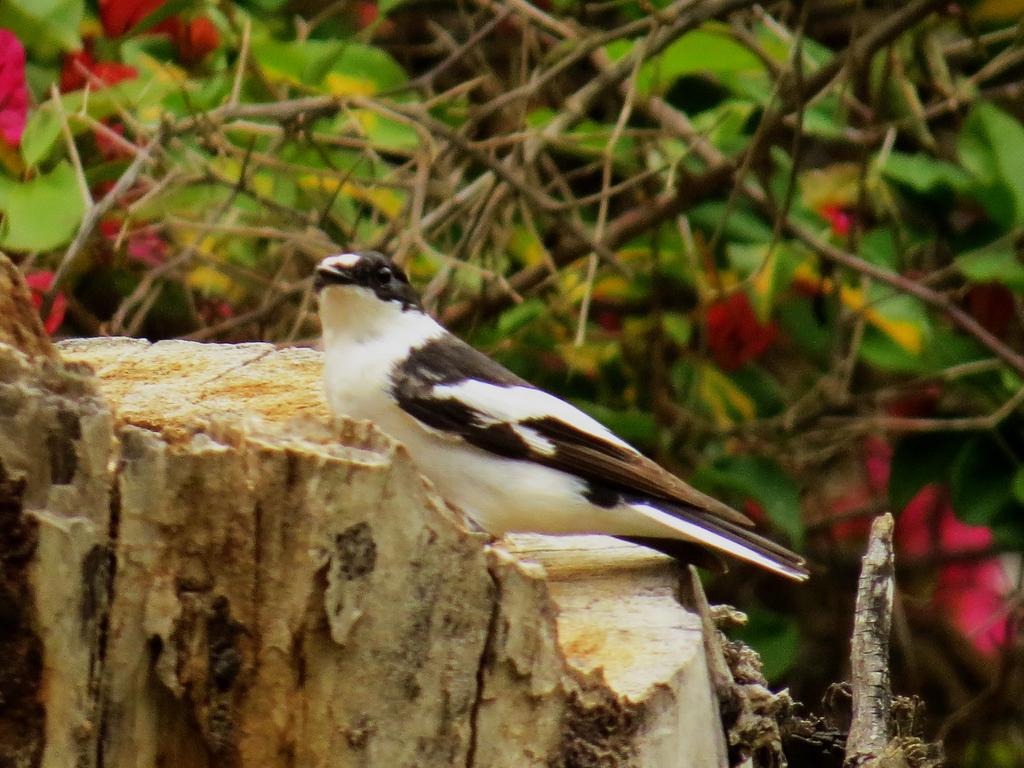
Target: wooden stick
x,y
870,729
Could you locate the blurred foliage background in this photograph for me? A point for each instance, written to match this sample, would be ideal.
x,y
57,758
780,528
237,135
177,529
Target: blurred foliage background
x,y
777,246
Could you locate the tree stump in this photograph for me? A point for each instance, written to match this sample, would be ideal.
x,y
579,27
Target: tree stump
x,y
199,568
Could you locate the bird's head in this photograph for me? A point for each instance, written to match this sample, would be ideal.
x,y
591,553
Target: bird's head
x,y
363,279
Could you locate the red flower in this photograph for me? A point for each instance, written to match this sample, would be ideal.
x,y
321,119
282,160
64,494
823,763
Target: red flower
x,y
120,16
81,68
366,13
13,93
194,39
754,509
838,217
916,404
735,335
610,321
39,283
110,228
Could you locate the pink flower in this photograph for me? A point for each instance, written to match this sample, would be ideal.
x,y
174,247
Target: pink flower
x,y
147,247
13,93
39,283
972,593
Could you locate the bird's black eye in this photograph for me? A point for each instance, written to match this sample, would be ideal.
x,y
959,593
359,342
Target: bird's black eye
x,y
384,275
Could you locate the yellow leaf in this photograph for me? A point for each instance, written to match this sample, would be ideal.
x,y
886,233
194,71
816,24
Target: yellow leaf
x,y
998,10
903,332
346,85
587,358
838,184
724,398
612,288
212,282
764,286
388,201
10,159
161,71
526,248
90,27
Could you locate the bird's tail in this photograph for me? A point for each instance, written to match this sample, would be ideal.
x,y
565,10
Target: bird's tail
x,y
701,527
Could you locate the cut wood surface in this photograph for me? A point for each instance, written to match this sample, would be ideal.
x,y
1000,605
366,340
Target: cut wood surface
x,y
204,570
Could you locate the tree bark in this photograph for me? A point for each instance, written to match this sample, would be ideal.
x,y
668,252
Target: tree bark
x,y
199,568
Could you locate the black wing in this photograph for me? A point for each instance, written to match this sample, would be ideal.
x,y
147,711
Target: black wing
x,y
611,469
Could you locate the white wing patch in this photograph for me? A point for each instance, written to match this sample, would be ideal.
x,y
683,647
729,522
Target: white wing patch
x,y
515,404
535,440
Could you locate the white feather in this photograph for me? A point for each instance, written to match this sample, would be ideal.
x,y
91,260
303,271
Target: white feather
x,y
364,338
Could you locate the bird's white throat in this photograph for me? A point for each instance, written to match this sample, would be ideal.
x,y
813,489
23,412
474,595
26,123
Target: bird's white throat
x,y
364,338
353,315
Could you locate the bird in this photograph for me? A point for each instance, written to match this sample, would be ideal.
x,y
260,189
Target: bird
x,y
509,455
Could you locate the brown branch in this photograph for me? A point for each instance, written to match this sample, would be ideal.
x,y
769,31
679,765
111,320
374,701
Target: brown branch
x,y
873,39
621,230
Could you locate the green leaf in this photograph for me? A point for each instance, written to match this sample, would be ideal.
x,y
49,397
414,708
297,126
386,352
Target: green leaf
x,y
338,67
981,481
804,328
41,133
879,247
738,222
704,50
634,426
774,637
41,214
677,327
825,118
919,460
519,316
725,125
880,351
762,479
925,174
995,263
44,24
1018,485
991,146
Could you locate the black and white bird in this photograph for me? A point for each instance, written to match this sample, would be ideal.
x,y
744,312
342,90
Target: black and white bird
x,y
511,456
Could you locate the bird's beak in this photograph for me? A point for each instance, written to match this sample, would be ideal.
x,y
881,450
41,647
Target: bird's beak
x,y
329,275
